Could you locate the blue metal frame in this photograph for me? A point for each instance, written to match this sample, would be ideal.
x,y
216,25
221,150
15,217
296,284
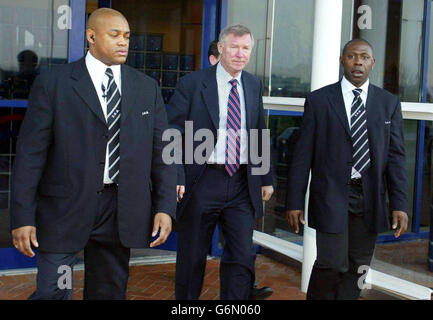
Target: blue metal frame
x,y
76,34
13,103
422,123
424,78
418,177
210,28
272,112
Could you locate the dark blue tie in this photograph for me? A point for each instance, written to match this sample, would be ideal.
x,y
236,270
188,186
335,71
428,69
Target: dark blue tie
x,y
358,131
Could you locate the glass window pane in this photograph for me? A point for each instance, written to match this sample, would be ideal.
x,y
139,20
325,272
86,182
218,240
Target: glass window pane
x,y
293,45
10,121
396,36
283,129
34,36
252,14
292,48
427,179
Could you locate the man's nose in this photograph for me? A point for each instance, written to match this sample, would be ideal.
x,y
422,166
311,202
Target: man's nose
x,y
358,61
123,42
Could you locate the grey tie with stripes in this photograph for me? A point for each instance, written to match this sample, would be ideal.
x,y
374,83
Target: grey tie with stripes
x,y
358,131
113,121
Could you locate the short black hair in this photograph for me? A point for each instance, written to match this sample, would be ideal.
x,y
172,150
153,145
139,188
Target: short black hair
x,y
213,49
356,40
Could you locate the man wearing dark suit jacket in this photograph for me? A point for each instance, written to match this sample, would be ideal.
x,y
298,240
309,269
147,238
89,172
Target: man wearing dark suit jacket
x,y
224,189
89,167
352,140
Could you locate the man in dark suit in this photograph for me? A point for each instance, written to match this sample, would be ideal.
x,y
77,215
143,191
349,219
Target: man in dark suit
x,y
256,293
89,167
351,139
225,188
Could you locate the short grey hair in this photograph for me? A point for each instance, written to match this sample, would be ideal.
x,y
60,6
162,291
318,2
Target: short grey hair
x,y
238,30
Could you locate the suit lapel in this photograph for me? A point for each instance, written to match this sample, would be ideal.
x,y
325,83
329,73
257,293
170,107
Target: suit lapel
x,y
210,95
337,104
86,90
248,99
372,116
129,92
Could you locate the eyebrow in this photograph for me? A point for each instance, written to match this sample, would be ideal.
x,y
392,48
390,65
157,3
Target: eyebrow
x,y
117,30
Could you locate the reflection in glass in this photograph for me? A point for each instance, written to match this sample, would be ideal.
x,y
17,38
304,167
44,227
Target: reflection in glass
x,y
427,179
32,41
292,48
396,37
252,14
283,130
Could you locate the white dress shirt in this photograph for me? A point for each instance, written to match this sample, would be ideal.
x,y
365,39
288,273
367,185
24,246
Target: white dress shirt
x,y
348,96
219,153
96,70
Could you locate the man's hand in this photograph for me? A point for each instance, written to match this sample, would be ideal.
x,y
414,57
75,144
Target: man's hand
x,y
293,217
22,237
267,192
399,218
161,222
180,190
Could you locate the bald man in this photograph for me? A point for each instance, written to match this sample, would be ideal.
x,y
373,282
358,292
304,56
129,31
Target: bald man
x,y
88,172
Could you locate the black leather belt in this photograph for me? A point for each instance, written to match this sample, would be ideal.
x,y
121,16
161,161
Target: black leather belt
x,y
356,182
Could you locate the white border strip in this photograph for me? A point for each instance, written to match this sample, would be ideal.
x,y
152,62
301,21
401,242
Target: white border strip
x,y
410,110
287,248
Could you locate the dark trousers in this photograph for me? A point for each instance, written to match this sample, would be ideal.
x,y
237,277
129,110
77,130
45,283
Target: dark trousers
x,y
106,261
218,198
339,255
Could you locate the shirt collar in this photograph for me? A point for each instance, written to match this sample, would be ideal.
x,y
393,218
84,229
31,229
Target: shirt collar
x,y
97,67
224,76
347,86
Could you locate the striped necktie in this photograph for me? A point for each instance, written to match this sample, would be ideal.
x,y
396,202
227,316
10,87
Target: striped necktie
x,y
113,121
233,144
358,131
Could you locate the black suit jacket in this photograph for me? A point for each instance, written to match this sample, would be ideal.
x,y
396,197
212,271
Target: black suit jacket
x,y
196,100
325,147
60,159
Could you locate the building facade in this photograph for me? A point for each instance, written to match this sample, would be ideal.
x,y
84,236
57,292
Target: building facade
x,y
170,39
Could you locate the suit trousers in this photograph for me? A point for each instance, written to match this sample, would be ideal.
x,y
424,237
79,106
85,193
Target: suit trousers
x,y
217,198
335,273
106,261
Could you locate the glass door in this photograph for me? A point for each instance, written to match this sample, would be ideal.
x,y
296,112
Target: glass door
x,y
35,35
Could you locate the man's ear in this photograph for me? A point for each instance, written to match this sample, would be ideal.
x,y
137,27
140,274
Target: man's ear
x,y
90,36
220,47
